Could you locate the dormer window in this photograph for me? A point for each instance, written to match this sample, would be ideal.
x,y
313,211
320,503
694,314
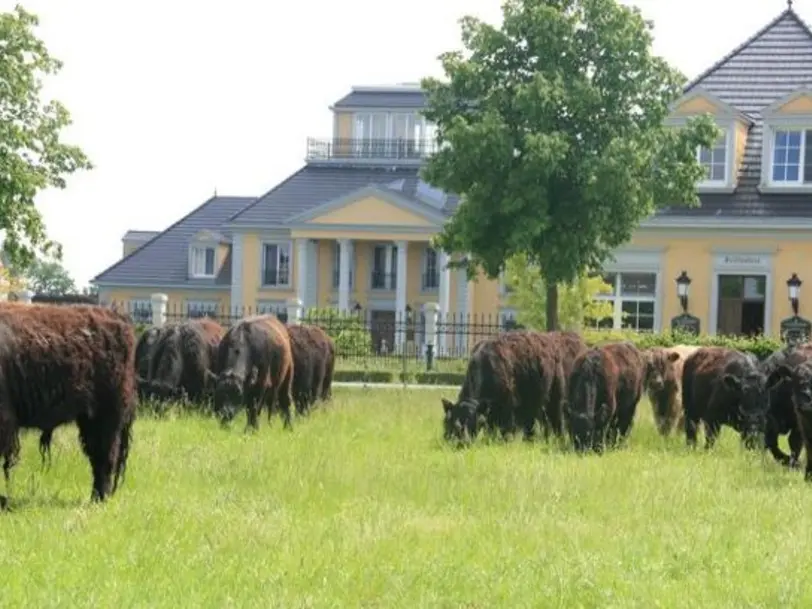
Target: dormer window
x,y
202,261
790,162
786,161
714,161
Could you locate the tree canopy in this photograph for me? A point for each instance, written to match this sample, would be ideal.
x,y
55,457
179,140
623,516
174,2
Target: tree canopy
x,y
49,277
551,129
32,155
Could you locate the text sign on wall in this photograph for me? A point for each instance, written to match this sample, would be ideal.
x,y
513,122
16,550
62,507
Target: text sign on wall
x,y
734,261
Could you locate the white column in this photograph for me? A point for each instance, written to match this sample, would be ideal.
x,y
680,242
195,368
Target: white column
x,y
294,306
25,296
159,309
445,302
344,275
301,271
431,311
400,295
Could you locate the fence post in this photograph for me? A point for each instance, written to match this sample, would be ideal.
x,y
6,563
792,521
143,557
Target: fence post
x,y
25,296
294,311
159,309
431,310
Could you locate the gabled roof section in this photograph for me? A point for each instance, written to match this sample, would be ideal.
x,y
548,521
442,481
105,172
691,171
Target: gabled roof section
x,y
701,93
379,191
773,63
315,185
805,91
406,96
164,260
210,236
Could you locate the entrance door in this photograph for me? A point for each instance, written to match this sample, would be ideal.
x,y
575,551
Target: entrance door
x,y
742,304
383,331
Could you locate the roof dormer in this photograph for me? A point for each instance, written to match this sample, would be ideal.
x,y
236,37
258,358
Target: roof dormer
x,y
723,160
786,160
207,251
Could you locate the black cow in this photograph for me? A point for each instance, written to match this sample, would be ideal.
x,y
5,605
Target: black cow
x,y
799,377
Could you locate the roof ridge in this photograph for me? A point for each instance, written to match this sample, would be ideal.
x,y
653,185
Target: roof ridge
x,y
144,245
786,12
265,194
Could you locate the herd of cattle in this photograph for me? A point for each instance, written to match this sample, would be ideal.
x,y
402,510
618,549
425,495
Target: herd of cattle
x,y
82,364
522,378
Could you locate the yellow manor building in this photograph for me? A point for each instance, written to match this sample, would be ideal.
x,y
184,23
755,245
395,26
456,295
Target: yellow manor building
x,y
351,229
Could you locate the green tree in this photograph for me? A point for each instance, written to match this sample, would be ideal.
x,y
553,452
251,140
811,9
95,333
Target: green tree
x,y
576,300
50,277
551,128
33,157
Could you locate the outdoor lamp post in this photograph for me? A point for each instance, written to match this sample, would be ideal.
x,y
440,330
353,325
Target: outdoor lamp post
x,y
794,287
683,283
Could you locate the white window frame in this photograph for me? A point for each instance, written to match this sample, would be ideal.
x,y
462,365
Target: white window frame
x,y
726,122
420,127
282,243
390,264
195,250
141,304
210,306
336,278
725,145
773,135
424,269
774,121
617,299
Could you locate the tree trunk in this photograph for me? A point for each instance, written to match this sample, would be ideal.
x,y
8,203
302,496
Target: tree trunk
x,y
552,307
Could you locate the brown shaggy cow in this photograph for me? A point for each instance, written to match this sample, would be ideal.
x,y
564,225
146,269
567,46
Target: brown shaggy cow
x,y
605,387
664,385
255,367
144,352
184,361
314,356
568,346
60,364
799,377
722,386
781,417
508,383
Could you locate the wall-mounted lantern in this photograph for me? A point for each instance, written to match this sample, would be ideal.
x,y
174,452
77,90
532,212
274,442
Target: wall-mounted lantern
x,y
683,285
794,287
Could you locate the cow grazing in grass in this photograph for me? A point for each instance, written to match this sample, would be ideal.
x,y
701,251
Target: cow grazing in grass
x,y
722,386
314,356
184,360
144,353
63,364
604,389
781,417
509,381
256,368
799,378
664,385
568,346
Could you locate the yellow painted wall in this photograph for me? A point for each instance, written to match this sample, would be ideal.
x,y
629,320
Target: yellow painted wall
x,y
223,250
799,105
696,105
372,211
342,137
252,292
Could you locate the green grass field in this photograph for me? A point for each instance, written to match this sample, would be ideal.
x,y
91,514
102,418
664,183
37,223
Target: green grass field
x,y
362,506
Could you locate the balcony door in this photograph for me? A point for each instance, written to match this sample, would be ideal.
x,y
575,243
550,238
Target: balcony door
x,y
370,134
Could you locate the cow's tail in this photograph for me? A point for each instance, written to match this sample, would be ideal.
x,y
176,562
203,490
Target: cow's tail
x,y
125,439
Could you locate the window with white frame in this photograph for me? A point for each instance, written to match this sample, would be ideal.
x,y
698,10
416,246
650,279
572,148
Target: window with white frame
x,y
714,160
141,310
201,260
790,163
337,266
384,267
431,269
393,133
634,301
201,308
276,264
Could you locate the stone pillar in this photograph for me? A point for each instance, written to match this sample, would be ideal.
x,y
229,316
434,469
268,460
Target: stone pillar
x,y
301,270
345,264
294,311
25,296
431,311
159,309
400,295
445,303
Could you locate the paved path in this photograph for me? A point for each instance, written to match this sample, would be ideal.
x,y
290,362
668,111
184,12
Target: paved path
x,y
395,386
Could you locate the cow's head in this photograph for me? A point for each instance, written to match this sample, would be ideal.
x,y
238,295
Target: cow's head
x,y
661,371
229,393
799,378
751,388
463,420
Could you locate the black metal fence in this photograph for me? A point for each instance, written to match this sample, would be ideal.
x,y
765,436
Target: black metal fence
x,y
366,339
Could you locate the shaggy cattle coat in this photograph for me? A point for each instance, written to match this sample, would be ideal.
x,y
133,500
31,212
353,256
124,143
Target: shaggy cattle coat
x,y
664,385
256,368
799,377
313,354
605,387
62,364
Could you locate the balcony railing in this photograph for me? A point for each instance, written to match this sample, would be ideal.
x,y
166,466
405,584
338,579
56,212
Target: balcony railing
x,y
383,281
368,150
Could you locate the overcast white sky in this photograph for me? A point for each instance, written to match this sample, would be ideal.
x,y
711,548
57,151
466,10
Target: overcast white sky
x,y
173,98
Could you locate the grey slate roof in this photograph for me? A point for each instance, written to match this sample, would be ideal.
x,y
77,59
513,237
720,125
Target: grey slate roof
x,y
773,63
411,98
314,185
164,259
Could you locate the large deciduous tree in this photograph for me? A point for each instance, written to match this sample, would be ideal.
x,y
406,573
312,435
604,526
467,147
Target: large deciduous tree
x,y
50,277
551,129
32,155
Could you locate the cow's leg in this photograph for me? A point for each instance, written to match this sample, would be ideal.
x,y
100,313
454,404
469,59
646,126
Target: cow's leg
x,y
101,442
283,398
712,429
796,444
771,444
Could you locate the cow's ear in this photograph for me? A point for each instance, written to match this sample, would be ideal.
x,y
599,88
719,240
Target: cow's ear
x,y
673,356
782,373
447,405
732,382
